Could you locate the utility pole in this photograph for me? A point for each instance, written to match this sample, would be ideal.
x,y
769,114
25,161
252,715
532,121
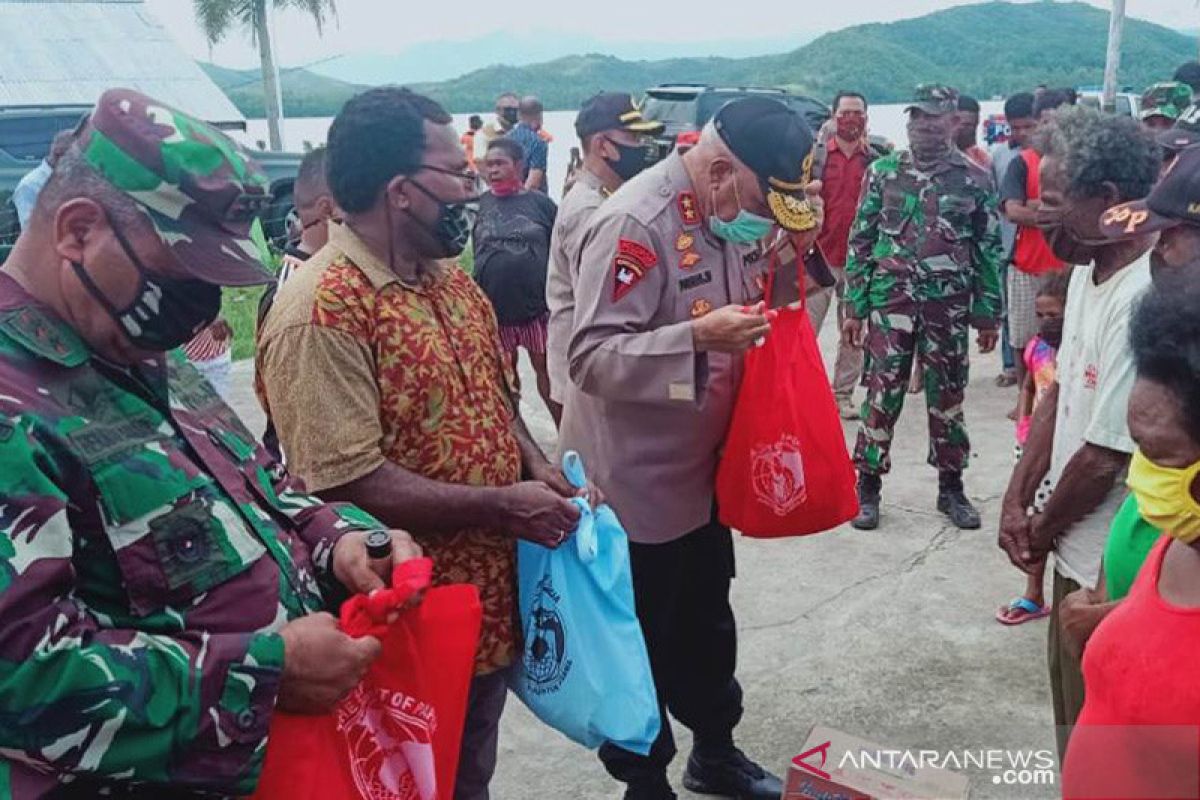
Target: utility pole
x,y
1112,64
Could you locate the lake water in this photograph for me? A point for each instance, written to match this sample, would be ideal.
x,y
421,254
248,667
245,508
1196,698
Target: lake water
x,y
886,120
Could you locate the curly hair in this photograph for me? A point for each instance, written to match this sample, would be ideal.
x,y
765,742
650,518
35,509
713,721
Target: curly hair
x,y
1096,148
377,135
1165,337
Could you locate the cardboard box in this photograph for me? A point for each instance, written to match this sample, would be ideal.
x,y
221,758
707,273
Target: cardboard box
x,y
823,771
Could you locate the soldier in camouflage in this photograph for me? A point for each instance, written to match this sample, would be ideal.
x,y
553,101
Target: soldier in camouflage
x,y
1164,103
161,578
923,267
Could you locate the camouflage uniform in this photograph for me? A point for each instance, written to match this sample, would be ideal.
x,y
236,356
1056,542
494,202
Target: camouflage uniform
x,y
923,265
1169,99
151,551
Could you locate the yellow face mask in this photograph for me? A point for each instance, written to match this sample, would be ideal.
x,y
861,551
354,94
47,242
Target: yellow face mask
x,y
1164,497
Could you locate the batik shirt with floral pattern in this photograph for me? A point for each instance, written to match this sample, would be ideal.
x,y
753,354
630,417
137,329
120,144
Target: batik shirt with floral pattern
x,y
360,368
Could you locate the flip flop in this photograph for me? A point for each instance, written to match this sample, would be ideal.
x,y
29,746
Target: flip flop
x,y
1027,611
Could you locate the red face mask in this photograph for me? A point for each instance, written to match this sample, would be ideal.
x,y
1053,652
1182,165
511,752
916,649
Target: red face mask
x,y
507,187
851,127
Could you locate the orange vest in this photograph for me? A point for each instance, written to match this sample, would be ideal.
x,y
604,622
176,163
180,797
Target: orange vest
x,y
1032,253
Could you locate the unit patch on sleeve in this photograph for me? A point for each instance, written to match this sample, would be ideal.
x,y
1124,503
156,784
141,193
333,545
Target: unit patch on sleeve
x,y
631,263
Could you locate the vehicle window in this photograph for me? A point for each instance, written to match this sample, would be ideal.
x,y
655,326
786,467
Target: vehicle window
x,y
28,138
711,103
814,112
677,111
1123,106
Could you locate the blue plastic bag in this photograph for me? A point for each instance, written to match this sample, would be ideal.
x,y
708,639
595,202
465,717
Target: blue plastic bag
x,y
584,669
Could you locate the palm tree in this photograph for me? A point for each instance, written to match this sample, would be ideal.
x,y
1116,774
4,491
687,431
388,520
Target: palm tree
x,y
219,17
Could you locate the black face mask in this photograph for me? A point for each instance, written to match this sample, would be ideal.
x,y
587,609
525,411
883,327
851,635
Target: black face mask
x,y
165,313
1052,331
632,159
509,115
455,221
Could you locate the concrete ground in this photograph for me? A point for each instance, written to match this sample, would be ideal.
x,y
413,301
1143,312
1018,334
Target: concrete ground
x,y
887,635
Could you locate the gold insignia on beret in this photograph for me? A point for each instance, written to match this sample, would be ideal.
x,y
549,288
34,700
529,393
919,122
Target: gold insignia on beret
x,y
791,213
806,167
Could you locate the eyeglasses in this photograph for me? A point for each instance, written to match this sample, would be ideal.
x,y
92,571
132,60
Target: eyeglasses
x,y
464,175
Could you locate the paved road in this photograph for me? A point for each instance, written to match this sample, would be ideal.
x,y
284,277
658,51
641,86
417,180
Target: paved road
x,y
887,635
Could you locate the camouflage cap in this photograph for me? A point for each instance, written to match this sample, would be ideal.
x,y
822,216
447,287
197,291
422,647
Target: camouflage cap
x,y
199,189
1166,100
934,98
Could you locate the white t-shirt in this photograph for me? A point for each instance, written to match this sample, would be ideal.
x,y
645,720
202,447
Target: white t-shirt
x,y
1095,376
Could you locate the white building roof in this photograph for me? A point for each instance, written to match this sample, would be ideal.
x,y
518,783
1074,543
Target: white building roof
x,y
70,51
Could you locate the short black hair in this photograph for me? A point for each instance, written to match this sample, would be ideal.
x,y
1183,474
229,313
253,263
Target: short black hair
x,y
311,181
1095,149
1056,285
475,122
842,94
968,103
1189,73
503,95
1165,337
377,135
510,146
1051,99
1019,106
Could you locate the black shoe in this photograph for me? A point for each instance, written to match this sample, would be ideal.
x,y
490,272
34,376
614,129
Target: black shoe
x,y
657,789
869,487
954,504
730,774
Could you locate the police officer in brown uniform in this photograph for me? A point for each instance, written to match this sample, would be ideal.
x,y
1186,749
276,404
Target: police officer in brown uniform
x,y
617,145
665,304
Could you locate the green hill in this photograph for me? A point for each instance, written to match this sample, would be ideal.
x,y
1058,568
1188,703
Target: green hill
x,y
986,49
305,94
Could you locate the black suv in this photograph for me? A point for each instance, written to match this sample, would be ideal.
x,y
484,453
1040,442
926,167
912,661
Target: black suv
x,y
684,107
27,131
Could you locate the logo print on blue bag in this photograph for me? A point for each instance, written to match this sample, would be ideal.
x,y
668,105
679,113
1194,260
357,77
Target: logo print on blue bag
x,y
546,664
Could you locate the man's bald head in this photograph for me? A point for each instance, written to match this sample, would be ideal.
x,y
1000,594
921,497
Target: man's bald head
x,y
531,110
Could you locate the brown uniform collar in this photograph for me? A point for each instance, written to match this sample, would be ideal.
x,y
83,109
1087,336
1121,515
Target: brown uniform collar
x,y
378,273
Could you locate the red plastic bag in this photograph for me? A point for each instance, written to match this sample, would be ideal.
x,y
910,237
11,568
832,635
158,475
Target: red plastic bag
x,y
396,736
785,470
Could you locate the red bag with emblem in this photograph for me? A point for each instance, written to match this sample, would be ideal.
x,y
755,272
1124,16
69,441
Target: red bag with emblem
x,y
396,736
785,470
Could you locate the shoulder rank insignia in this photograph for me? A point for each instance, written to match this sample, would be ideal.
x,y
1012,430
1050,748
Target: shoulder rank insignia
x,y
689,209
631,263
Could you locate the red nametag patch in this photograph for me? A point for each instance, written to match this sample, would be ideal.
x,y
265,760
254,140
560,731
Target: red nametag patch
x,y
630,265
689,209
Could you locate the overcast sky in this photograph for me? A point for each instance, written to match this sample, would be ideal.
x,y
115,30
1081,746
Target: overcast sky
x,y
388,26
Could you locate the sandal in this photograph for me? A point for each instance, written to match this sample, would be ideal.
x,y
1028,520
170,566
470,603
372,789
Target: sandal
x,y
1021,610
1006,379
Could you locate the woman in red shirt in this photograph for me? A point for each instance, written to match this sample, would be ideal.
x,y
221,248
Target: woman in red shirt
x,y
1139,733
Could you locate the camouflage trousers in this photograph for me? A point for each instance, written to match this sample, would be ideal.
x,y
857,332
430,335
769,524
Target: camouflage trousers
x,y
938,333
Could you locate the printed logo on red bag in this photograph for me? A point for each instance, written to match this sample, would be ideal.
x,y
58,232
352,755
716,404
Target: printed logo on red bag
x,y
390,738
777,473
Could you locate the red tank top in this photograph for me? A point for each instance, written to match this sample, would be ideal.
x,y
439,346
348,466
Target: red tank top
x,y
1139,732
1032,252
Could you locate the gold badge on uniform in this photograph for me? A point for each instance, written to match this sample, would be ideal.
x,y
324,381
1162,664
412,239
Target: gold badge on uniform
x,y
689,209
791,213
684,241
689,259
700,307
